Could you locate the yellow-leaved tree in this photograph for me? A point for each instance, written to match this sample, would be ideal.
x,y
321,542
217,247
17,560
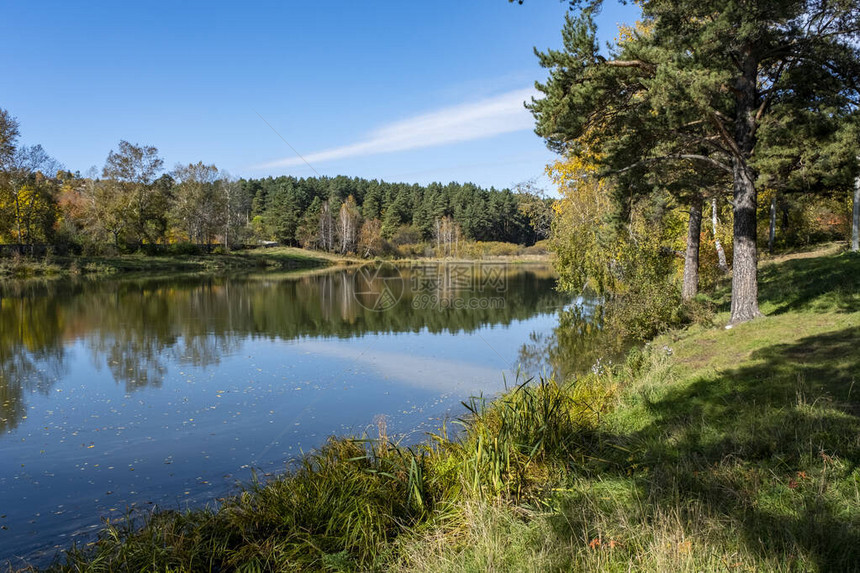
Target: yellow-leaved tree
x,y
626,257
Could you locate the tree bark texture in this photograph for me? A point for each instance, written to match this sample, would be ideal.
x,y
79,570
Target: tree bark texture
x,y
691,259
745,259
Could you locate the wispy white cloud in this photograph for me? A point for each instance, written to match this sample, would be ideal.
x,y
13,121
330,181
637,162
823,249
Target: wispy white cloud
x,y
465,122
428,372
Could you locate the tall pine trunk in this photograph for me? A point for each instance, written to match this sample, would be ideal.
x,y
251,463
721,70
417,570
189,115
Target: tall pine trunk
x,y
691,258
745,259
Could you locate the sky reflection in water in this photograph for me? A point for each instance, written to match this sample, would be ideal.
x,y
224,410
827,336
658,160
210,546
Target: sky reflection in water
x,y
127,394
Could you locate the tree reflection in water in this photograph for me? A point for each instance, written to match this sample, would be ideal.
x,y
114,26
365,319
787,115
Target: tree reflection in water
x,y
135,327
574,346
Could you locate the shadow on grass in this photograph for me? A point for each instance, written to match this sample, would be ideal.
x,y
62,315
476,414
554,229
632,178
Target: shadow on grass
x,y
771,448
829,283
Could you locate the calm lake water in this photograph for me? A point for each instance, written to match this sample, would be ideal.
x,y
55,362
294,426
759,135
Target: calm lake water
x,y
119,395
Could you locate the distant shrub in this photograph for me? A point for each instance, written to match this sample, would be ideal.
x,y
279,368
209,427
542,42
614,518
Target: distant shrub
x,y
645,310
463,250
150,249
99,268
483,249
410,250
539,248
183,248
98,249
405,235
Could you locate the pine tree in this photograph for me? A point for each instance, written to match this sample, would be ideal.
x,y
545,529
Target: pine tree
x,y
693,87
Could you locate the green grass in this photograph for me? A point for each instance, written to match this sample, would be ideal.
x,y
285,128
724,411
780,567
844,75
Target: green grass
x,y
732,450
285,258
708,450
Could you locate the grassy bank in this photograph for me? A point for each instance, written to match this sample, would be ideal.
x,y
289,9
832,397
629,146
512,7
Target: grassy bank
x,y
279,258
724,450
711,449
469,251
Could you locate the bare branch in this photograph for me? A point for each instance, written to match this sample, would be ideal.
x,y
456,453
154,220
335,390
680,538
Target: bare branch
x,y
725,135
766,101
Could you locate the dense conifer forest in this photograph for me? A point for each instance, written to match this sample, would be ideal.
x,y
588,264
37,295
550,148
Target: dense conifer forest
x,y
135,204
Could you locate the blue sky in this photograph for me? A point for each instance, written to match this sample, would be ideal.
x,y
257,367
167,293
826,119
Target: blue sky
x,y
398,90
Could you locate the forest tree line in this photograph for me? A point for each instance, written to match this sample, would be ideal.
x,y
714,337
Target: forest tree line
x,y
134,203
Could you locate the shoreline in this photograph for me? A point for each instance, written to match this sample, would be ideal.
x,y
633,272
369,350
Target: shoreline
x,y
269,259
122,265
666,460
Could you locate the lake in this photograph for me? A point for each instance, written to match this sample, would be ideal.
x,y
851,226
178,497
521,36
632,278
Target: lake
x,y
122,395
